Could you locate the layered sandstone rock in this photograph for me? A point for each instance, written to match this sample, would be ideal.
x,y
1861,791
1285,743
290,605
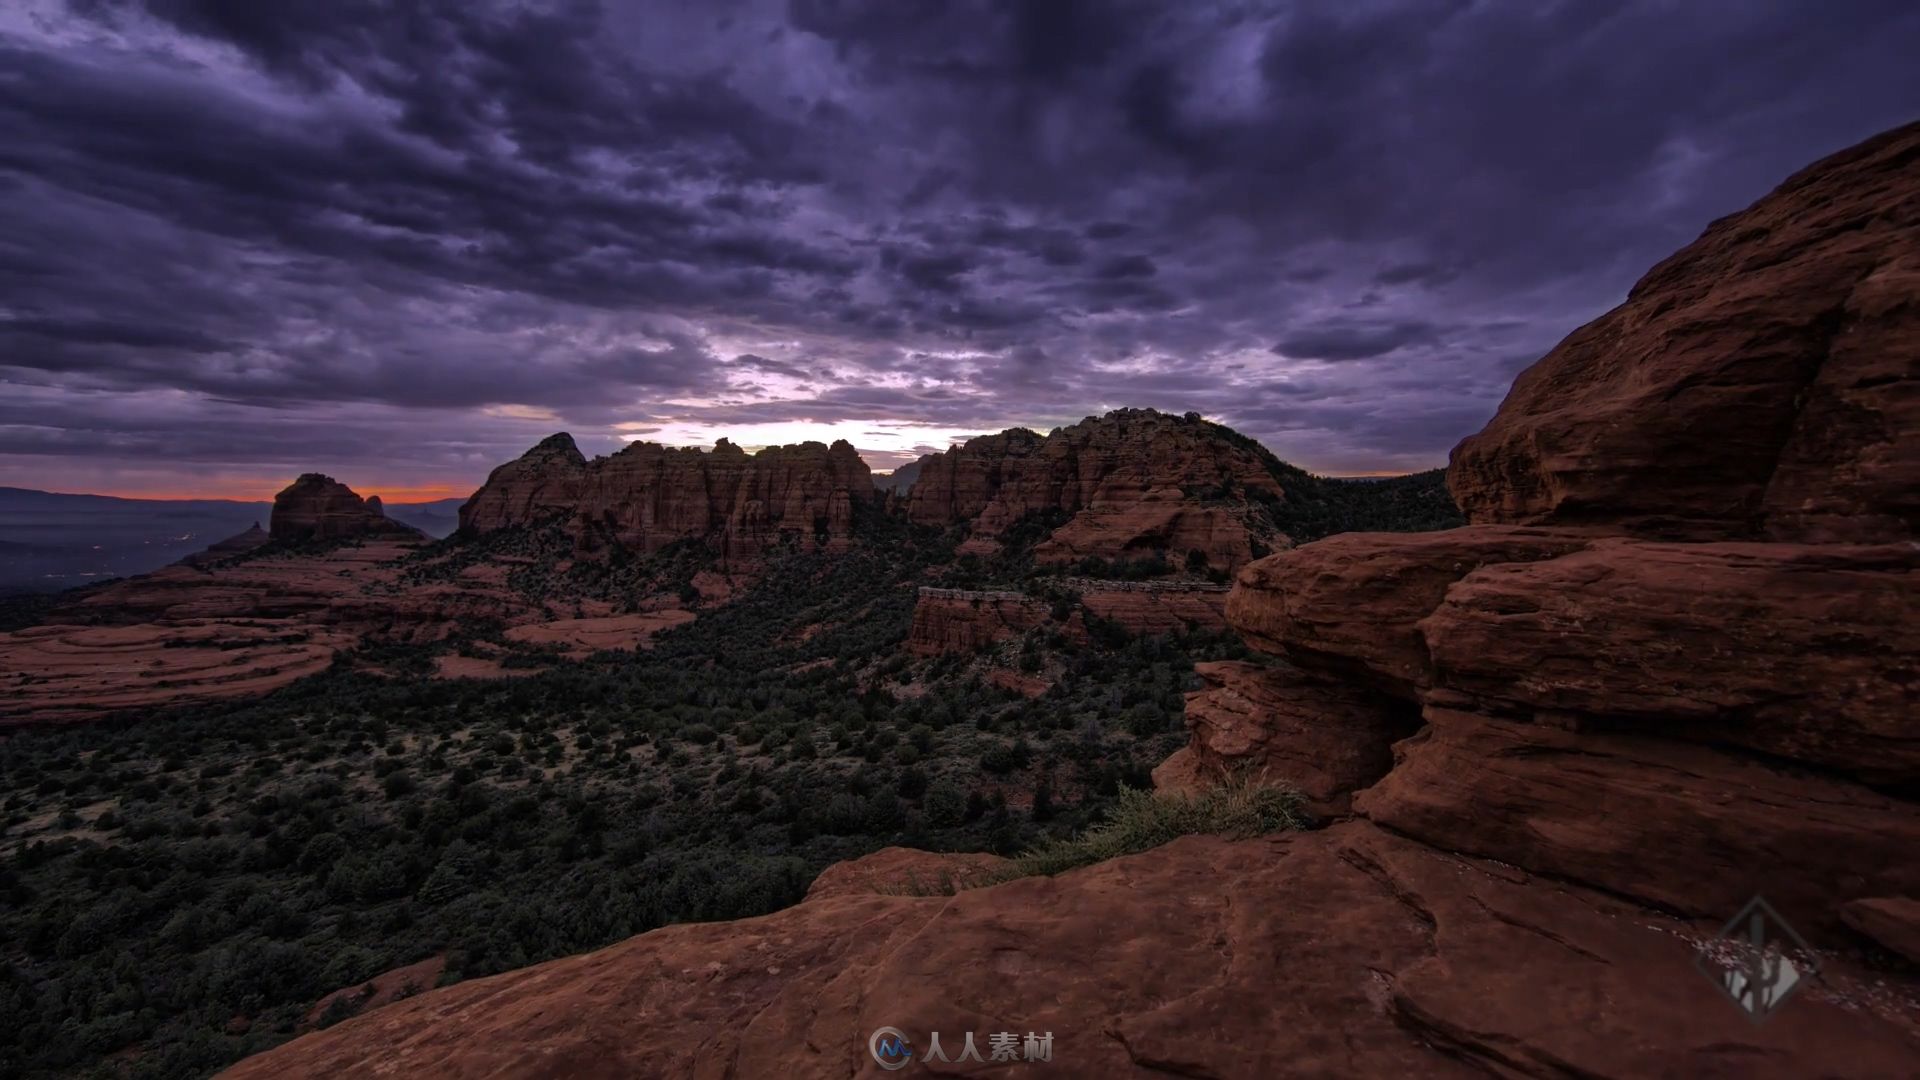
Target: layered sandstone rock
x,y
1684,723
1324,738
1684,827
1131,484
318,507
224,628
1173,609
958,621
648,496
1891,921
898,871
1806,653
1758,383
1353,602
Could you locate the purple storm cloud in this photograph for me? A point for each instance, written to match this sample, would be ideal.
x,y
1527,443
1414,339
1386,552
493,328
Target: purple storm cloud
x,y
400,242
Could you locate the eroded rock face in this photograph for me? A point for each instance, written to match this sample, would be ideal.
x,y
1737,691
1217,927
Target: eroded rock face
x,y
318,507
1325,738
1681,826
1804,652
957,621
1157,610
1355,601
648,496
1395,959
1132,484
1891,921
1758,383
1684,723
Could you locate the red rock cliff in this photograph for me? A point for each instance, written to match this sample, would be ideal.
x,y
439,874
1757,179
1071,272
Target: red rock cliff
x,y
647,496
1683,723
1134,483
1758,383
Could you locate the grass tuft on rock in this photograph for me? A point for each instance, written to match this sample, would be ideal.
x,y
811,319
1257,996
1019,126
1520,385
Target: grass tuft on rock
x,y
1243,807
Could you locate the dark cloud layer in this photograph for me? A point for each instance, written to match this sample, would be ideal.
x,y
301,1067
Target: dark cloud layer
x,y
402,241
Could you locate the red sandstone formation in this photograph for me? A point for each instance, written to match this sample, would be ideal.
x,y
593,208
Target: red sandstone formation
x,y
960,621
957,621
1173,609
318,507
1758,383
1323,737
1617,742
648,496
1685,724
1136,483
898,871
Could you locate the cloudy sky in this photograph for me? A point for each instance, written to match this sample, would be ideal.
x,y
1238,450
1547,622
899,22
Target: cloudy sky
x,y
402,241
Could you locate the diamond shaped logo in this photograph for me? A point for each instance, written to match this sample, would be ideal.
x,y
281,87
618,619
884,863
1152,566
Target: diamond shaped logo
x,y
1757,960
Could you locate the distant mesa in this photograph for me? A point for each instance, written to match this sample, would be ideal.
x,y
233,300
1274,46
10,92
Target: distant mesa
x,y
318,507
1128,485
647,495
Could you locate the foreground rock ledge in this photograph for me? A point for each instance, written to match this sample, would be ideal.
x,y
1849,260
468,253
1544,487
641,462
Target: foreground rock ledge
x,y
1346,952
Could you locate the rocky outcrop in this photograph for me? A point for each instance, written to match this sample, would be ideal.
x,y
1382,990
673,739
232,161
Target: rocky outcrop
x,y
1130,485
1158,611
1689,829
1324,738
1353,602
957,621
648,496
318,507
1162,521
898,871
1804,653
1683,723
1757,384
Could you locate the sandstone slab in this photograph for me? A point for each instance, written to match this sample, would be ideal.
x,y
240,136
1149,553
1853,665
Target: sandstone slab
x,y
1688,828
1808,652
1353,602
1347,952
